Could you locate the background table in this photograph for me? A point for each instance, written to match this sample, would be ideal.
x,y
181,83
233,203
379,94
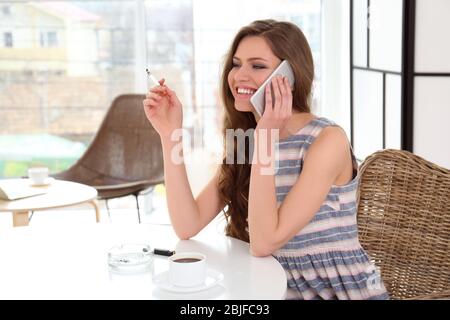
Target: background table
x,y
71,263
59,194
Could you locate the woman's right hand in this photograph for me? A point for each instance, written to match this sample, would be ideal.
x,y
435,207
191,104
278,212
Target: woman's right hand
x,y
163,110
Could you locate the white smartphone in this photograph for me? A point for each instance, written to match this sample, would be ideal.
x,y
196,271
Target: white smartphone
x,y
258,98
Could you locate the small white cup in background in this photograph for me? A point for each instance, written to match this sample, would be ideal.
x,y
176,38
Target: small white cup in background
x,y
187,269
38,175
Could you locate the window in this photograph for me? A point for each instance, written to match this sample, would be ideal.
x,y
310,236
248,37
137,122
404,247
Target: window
x,y
7,39
49,39
101,48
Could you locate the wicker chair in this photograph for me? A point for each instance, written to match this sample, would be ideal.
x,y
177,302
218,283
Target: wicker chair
x,y
404,223
125,157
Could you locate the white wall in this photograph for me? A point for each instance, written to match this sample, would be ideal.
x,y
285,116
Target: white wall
x,y
336,62
431,119
386,35
432,36
432,94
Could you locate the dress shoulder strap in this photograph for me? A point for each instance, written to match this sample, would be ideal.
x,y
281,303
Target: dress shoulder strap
x,y
317,125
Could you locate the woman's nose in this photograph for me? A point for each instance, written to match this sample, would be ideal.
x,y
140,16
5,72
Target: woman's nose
x,y
241,74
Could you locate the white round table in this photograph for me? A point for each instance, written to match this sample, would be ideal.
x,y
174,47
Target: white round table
x,y
71,263
58,194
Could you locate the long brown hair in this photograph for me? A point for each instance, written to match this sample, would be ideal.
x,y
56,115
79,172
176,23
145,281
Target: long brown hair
x,y
288,43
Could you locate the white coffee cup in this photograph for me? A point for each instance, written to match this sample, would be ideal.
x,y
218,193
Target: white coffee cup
x,y
38,175
187,269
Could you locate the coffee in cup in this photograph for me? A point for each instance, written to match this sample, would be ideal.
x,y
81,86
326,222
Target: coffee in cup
x,y
187,269
38,175
187,260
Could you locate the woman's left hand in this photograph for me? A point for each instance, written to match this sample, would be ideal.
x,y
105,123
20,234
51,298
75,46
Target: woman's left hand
x,y
277,112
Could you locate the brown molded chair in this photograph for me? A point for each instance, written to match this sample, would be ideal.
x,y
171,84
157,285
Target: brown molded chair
x,y
404,223
125,157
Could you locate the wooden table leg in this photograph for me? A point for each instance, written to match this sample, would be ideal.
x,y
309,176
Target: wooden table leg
x,y
97,210
20,219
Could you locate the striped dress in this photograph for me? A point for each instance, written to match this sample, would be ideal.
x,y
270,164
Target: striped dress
x,y
325,259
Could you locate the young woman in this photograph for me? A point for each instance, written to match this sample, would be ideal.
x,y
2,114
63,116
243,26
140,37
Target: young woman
x,y
304,213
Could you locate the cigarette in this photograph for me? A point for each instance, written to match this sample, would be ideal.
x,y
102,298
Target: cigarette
x,y
152,78
163,252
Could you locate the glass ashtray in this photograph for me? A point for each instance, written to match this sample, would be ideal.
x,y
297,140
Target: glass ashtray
x,y
130,258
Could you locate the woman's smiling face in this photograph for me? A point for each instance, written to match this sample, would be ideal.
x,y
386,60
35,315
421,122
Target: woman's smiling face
x,y
253,63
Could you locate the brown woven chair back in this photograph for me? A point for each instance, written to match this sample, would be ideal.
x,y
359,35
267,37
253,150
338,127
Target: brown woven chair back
x,y
125,155
404,222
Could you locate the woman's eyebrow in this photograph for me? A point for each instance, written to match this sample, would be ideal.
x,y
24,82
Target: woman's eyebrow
x,y
251,59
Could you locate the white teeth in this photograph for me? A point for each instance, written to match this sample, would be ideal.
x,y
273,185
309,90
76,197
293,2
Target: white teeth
x,y
245,91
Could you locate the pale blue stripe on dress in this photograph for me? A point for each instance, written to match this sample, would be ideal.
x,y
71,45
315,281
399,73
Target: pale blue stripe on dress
x,y
337,286
282,191
296,139
339,283
294,145
326,260
288,171
323,122
326,236
324,233
333,214
289,163
348,206
286,189
347,188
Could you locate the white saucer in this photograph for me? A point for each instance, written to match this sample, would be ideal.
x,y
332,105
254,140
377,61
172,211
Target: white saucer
x,y
46,182
212,278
